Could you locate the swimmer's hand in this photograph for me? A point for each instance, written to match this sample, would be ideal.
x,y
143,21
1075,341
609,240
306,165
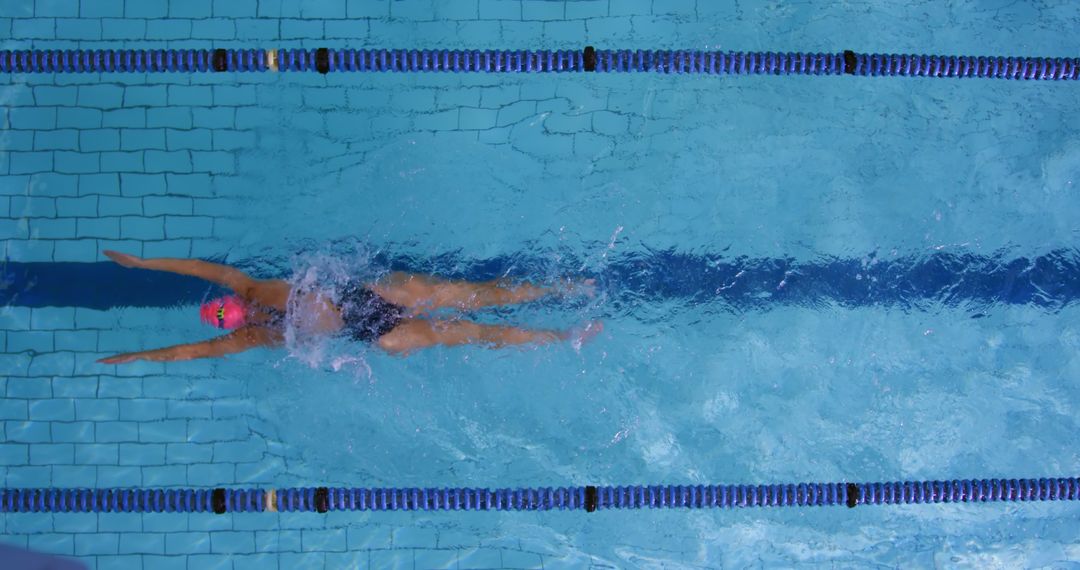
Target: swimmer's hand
x,y
124,259
122,358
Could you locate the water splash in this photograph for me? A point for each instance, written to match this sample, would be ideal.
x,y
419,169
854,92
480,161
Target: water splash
x,y
317,278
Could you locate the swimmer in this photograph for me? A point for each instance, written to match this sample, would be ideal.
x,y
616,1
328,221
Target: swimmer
x,y
387,313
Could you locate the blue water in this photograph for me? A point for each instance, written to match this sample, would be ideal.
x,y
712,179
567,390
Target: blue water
x,y
881,291
801,279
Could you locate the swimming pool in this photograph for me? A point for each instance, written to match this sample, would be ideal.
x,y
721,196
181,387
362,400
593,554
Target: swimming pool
x,y
801,279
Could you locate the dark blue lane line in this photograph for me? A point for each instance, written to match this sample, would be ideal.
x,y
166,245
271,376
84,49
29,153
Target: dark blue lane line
x,y
970,281
95,286
955,280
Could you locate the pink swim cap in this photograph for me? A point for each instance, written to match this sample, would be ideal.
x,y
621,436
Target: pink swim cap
x,y
224,312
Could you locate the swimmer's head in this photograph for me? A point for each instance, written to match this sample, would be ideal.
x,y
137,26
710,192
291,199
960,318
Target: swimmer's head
x,y
228,312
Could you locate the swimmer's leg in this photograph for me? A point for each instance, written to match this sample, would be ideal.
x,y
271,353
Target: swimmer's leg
x,y
414,334
267,292
424,292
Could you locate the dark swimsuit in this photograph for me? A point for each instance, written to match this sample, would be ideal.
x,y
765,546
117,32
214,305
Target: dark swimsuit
x,y
367,316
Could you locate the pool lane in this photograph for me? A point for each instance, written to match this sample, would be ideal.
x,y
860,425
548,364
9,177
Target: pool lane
x,y
969,281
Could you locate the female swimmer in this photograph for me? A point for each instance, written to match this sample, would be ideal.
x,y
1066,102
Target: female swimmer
x,y
387,313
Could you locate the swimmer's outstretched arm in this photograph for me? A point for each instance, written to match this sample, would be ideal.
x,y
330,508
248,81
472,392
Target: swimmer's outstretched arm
x,y
237,341
215,272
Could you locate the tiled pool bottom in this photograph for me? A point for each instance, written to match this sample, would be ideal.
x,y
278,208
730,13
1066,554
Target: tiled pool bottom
x,y
150,164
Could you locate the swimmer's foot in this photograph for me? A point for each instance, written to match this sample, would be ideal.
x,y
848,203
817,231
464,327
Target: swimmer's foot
x,y
586,287
580,335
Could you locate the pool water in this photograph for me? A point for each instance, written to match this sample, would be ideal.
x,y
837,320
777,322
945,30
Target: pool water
x,y
800,279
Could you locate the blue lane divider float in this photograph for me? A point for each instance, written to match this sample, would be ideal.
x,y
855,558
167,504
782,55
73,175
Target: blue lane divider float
x,y
588,498
325,60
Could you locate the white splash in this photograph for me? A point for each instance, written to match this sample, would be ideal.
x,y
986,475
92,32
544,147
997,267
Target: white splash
x,y
319,277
